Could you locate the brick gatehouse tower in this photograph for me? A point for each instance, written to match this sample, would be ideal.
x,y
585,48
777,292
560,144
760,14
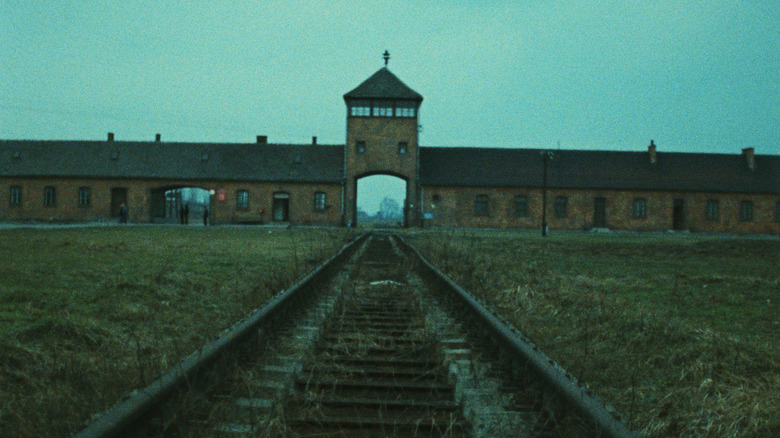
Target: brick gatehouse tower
x,y
382,139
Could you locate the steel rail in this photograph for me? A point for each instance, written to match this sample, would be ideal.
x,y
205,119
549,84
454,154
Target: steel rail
x,y
555,376
123,414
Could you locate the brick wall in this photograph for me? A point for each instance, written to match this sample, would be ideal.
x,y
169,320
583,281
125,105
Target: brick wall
x,y
381,136
66,207
261,195
456,207
139,200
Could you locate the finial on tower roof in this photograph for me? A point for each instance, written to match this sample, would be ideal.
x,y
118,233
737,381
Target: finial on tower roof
x,y
386,56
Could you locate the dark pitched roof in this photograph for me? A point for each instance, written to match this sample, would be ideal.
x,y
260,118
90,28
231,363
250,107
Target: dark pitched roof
x,y
599,170
470,167
383,85
211,161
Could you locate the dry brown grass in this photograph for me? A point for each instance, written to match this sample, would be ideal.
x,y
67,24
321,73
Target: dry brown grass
x,y
679,334
88,314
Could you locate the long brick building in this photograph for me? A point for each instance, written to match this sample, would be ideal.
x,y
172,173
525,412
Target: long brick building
x,y
449,187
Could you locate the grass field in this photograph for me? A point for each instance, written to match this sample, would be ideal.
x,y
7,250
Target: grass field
x,y
88,314
679,333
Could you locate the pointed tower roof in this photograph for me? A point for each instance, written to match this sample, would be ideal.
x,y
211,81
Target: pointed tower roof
x,y
383,85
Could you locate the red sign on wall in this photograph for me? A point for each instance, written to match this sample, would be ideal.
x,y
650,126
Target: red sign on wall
x,y
221,195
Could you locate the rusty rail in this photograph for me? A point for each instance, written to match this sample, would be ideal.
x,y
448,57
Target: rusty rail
x,y
124,413
516,346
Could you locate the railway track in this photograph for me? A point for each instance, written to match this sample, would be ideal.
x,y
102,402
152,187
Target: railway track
x,y
376,342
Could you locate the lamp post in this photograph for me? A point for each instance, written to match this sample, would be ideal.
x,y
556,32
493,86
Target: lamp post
x,y
546,156
212,206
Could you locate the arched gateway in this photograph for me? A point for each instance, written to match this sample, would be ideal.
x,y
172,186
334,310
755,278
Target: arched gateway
x,y
382,138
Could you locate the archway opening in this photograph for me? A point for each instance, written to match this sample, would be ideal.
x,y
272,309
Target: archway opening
x,y
182,205
381,201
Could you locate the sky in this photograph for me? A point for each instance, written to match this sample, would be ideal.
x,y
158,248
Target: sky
x,y
694,76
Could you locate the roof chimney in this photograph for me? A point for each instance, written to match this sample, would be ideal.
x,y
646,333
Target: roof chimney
x,y
651,151
262,139
750,157
314,139
110,136
157,137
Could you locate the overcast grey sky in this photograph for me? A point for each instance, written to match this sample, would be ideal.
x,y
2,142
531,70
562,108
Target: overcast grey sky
x,y
699,76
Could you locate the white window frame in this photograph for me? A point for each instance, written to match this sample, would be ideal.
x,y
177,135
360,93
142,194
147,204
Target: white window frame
x,y
85,196
49,196
242,200
320,201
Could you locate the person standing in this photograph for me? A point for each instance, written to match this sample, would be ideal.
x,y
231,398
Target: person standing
x,y
186,214
205,216
123,213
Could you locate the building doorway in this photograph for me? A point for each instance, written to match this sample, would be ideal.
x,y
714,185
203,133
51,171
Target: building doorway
x,y
168,205
600,213
678,214
118,197
281,207
382,201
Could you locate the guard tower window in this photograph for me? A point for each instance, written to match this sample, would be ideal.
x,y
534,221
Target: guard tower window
x,y
383,110
360,111
404,112
49,196
242,200
361,147
16,195
404,109
360,108
402,148
85,196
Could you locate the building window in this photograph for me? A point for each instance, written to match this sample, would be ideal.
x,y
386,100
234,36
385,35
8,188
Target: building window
x,y
361,147
16,195
746,211
242,200
319,201
85,196
639,209
383,111
481,205
561,206
712,209
404,112
360,108
402,147
521,206
49,196
360,111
